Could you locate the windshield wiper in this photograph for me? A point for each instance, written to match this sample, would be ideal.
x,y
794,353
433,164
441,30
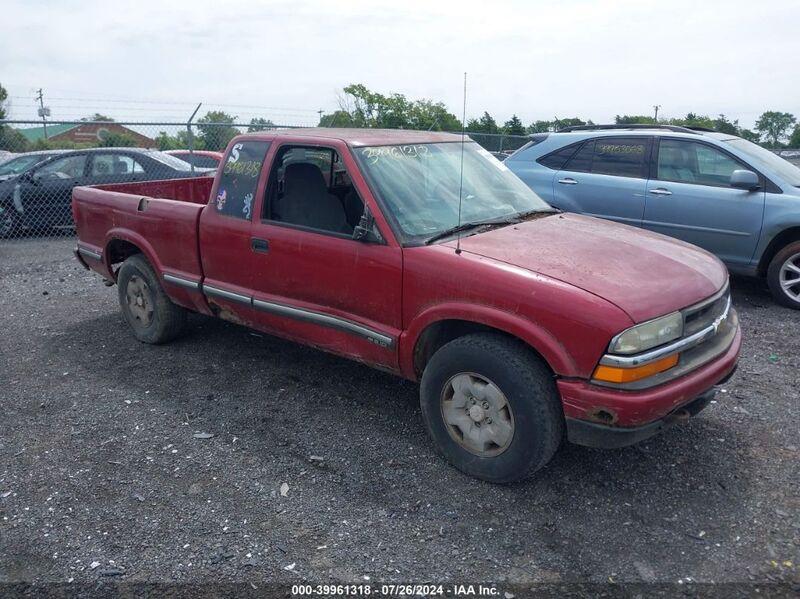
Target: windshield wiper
x,y
508,220
493,222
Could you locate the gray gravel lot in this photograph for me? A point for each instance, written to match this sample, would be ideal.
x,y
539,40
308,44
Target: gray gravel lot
x,y
102,474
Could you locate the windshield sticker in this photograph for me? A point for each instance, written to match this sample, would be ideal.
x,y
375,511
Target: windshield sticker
x,y
248,205
375,154
222,197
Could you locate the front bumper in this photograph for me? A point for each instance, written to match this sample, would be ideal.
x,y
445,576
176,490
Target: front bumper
x,y
587,406
590,434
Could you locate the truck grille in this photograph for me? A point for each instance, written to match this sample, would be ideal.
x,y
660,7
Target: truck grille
x,y
700,316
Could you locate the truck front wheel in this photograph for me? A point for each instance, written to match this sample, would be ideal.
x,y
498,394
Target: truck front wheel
x,y
147,308
783,276
491,407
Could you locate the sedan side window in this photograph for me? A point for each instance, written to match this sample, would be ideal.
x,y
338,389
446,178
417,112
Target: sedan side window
x,y
70,167
104,165
692,162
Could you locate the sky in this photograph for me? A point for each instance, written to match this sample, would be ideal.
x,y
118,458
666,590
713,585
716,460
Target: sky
x,y
144,60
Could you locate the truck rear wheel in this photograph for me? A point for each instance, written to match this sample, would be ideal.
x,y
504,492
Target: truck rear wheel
x,y
491,407
147,308
783,276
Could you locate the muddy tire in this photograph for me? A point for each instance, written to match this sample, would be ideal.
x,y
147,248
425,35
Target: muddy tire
x,y
783,276
491,407
148,310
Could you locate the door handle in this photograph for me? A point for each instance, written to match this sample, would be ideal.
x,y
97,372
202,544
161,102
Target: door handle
x,y
568,181
259,245
660,191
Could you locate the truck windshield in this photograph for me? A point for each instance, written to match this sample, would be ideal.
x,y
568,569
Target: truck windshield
x,y
419,185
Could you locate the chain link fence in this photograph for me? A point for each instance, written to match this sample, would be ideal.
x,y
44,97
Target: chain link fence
x,y
40,163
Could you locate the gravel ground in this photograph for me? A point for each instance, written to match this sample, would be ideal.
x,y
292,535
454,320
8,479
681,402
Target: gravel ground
x,y
103,474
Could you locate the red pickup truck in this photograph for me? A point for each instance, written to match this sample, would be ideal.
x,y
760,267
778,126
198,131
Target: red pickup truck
x,y
421,254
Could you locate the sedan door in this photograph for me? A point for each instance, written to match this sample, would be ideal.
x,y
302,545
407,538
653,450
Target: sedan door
x,y
45,197
606,177
689,197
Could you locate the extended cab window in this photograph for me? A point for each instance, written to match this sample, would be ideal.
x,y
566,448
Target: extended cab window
x,y
310,187
621,157
238,179
692,162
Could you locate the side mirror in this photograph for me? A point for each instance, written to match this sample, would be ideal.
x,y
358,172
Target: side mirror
x,y
365,230
742,179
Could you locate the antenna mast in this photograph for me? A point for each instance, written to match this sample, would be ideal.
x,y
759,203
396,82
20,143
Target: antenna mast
x,y
461,175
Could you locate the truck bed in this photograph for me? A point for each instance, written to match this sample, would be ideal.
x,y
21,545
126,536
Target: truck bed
x,y
158,217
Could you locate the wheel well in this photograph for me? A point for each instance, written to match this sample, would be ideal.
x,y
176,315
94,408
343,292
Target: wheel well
x,y
119,250
776,245
444,331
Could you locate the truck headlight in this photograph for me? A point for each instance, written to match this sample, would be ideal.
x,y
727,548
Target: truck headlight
x,y
648,335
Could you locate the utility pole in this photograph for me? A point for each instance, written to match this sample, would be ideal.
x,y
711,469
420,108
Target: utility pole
x,y
320,112
656,107
43,112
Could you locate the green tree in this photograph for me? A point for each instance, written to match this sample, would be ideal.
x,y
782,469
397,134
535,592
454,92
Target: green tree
x,y
361,107
216,130
569,122
750,135
10,139
794,140
165,142
514,126
540,127
260,124
339,118
773,125
485,124
723,125
117,140
635,119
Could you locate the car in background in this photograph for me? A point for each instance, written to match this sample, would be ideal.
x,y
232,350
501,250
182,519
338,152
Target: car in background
x,y
198,158
16,164
38,197
715,190
6,156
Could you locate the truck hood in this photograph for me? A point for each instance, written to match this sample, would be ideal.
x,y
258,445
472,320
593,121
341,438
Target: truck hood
x,y
645,274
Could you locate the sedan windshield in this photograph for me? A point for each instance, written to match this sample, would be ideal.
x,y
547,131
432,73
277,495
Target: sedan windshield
x,y
419,185
20,164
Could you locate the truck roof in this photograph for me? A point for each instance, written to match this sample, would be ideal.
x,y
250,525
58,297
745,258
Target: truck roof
x,y
362,137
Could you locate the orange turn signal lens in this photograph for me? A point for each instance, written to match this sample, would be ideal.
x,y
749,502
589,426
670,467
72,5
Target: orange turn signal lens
x,y
615,374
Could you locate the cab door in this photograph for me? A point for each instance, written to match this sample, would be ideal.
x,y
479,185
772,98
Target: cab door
x,y
689,197
312,282
226,225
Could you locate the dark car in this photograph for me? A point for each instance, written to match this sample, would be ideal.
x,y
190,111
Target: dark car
x,y
16,164
39,197
198,158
